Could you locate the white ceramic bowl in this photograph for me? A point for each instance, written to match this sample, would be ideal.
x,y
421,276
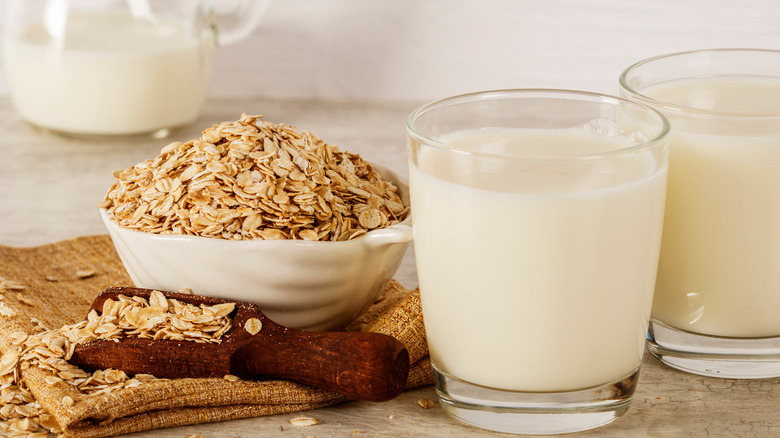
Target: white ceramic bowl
x,y
300,284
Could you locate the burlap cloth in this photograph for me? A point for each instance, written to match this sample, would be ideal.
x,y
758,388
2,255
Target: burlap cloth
x,y
61,280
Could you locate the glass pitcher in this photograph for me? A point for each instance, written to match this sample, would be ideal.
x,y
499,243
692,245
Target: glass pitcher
x,y
117,67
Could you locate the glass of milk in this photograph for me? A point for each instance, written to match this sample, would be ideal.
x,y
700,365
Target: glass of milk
x,y
717,301
537,221
115,67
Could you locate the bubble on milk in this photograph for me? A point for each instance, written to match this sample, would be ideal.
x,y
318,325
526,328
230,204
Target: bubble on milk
x,y
603,127
611,129
637,137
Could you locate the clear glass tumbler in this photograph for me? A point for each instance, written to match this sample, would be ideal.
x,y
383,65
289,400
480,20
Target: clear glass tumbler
x,y
537,221
717,301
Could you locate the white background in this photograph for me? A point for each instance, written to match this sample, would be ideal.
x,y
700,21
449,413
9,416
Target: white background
x,y
426,49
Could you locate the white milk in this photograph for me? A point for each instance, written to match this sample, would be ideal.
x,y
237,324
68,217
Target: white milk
x,y
719,272
534,285
113,75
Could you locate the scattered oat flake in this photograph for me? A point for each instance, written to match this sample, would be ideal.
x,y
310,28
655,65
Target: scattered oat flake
x,y
85,273
11,284
253,326
68,400
231,378
18,337
425,403
39,324
25,300
304,421
8,362
7,311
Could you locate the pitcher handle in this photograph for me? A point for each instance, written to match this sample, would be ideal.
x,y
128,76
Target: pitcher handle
x,y
236,24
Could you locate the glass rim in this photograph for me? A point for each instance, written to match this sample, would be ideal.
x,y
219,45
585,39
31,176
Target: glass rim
x,y
670,106
539,92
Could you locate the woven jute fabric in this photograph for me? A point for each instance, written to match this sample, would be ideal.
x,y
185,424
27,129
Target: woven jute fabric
x,y
62,279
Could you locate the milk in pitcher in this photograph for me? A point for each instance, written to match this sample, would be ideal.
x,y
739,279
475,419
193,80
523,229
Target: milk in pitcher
x,y
110,73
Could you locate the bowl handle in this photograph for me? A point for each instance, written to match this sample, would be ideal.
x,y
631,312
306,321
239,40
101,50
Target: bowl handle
x,y
399,233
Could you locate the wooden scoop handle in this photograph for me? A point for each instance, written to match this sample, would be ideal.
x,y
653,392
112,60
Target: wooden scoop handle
x,y
364,366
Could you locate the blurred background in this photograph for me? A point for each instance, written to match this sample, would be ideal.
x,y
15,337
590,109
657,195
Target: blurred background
x,y
418,50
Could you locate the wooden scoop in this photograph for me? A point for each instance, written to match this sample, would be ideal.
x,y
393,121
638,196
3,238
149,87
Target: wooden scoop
x,y
359,365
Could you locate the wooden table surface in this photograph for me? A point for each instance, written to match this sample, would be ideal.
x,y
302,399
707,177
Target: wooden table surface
x,y
50,187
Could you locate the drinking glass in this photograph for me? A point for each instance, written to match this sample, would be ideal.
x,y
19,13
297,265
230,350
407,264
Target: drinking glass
x,y
717,301
537,224
116,67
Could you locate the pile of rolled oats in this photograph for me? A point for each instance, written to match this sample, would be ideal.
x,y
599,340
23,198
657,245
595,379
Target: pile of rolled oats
x,y
156,318
252,179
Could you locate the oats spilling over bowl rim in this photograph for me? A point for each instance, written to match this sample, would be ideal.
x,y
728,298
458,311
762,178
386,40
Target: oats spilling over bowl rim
x,y
254,180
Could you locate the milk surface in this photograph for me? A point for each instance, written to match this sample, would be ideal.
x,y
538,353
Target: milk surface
x,y
719,272
111,74
531,280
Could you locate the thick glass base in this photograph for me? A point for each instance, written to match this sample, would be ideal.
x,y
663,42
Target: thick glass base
x,y
733,358
535,413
